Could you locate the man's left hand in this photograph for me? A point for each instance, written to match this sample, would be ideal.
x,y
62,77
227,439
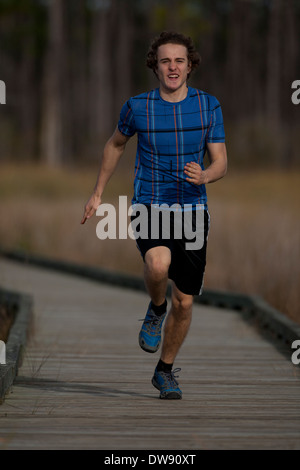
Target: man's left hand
x,y
195,173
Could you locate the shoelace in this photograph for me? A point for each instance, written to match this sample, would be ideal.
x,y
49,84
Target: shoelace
x,y
171,377
153,321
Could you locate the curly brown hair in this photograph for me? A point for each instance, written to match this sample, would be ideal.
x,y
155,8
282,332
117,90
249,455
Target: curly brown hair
x,y
171,37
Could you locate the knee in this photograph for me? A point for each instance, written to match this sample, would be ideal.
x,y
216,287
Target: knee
x,y
157,265
157,262
183,304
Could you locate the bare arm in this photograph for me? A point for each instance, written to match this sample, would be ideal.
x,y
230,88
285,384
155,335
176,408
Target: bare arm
x,y
112,153
217,155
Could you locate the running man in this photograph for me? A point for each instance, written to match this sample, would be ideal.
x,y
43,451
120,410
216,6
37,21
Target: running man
x,y
176,126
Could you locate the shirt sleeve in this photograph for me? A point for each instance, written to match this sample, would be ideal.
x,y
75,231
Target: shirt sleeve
x,y
126,124
216,131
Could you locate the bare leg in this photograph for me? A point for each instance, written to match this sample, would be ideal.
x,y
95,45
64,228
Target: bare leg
x,y
177,324
157,262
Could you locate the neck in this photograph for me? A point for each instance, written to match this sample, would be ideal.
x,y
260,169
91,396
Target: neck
x,y
174,95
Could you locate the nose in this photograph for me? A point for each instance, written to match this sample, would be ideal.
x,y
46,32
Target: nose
x,y
172,65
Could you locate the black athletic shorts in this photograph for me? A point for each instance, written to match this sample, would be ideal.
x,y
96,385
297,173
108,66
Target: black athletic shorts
x,y
187,265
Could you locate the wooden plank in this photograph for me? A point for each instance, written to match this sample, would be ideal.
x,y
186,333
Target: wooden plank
x,y
86,384
272,324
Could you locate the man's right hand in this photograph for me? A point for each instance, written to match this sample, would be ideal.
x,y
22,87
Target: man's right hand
x,y
91,207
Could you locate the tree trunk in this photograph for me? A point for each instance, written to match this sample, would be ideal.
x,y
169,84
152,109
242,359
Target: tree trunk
x,y
101,78
28,103
52,132
233,72
123,56
273,65
78,98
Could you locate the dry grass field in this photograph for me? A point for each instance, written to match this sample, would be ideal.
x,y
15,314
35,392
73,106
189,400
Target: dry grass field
x,y
253,243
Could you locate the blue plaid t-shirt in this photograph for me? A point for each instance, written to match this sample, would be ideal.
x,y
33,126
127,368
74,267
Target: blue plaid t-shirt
x,y
169,136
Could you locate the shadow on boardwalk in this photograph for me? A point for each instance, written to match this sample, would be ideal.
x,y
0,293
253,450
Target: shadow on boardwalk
x,y
58,386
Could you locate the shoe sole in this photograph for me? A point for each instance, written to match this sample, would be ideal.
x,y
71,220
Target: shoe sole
x,y
166,395
146,347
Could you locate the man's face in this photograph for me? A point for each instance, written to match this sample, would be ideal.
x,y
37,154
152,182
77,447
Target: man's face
x,y
172,66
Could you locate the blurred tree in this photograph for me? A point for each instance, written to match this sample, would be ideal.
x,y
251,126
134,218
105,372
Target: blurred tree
x,y
290,56
100,74
27,103
110,79
22,43
70,64
53,125
122,53
77,76
289,49
273,63
242,68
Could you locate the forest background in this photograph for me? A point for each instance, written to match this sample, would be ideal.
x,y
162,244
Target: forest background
x,y
69,65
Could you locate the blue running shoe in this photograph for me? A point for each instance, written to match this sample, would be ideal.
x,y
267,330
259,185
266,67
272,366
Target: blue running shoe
x,y
150,334
167,384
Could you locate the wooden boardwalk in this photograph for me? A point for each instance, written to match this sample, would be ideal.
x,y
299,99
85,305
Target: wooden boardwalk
x,y
86,384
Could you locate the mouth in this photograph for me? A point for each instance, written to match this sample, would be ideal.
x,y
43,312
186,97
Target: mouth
x,y
173,76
